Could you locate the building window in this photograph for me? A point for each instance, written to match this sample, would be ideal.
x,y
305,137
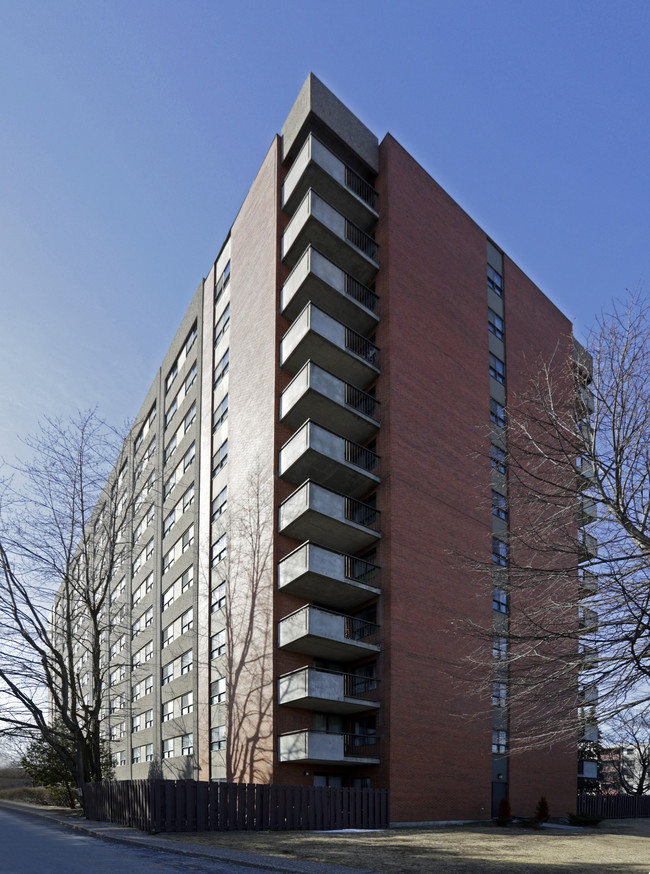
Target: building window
x,y
171,376
169,486
171,412
135,723
218,598
218,691
187,703
167,711
219,503
497,369
187,620
499,552
497,413
494,280
168,748
148,753
167,673
188,458
168,597
220,457
187,662
170,450
222,368
187,580
222,325
168,634
135,755
188,498
218,738
187,744
220,414
168,523
499,600
499,505
148,684
148,719
188,538
499,694
136,691
148,617
218,644
190,378
189,419
495,324
137,595
218,550
499,741
498,458
500,648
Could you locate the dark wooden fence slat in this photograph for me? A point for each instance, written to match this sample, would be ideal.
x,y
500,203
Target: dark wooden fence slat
x,y
188,805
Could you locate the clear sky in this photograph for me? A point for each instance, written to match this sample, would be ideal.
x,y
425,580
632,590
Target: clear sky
x,y
130,131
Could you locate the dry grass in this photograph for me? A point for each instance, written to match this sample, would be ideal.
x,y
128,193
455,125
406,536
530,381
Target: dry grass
x,y
38,795
615,847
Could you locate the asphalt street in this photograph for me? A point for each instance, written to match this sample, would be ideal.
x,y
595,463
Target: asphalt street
x,y
31,845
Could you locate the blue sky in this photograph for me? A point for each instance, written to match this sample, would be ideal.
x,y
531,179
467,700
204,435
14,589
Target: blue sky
x,y
131,132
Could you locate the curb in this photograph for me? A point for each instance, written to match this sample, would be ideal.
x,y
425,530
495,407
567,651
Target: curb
x,y
133,837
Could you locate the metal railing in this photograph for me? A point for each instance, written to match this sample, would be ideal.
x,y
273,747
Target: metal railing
x,y
361,457
361,240
361,629
361,571
361,188
362,347
362,514
361,293
362,745
361,401
354,685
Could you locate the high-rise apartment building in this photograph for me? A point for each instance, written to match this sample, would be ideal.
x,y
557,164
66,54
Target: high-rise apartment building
x,y
304,488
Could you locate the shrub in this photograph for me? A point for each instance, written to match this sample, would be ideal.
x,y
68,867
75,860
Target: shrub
x,y
542,811
504,814
586,820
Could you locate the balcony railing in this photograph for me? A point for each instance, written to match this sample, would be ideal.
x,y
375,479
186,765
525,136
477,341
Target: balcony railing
x,y
317,166
362,514
308,745
361,347
328,690
329,577
361,293
361,188
361,401
360,745
361,240
315,393
327,634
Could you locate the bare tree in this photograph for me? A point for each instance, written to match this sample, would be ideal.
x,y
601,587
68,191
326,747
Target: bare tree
x,y
574,565
64,532
249,624
625,755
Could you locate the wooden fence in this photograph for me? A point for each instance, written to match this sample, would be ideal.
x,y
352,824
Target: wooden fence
x,y
615,806
190,805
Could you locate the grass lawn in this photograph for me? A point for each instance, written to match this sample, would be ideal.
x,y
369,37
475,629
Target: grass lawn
x,y
614,846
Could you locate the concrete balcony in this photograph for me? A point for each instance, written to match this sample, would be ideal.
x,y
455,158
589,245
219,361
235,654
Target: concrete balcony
x,y
315,393
588,547
588,619
588,582
587,510
319,168
315,222
316,513
316,336
327,691
327,635
327,577
324,748
314,452
315,278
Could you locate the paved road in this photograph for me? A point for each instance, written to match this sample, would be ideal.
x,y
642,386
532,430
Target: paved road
x,y
37,846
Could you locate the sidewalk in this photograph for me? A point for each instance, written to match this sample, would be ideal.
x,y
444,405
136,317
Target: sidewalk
x,y
111,832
